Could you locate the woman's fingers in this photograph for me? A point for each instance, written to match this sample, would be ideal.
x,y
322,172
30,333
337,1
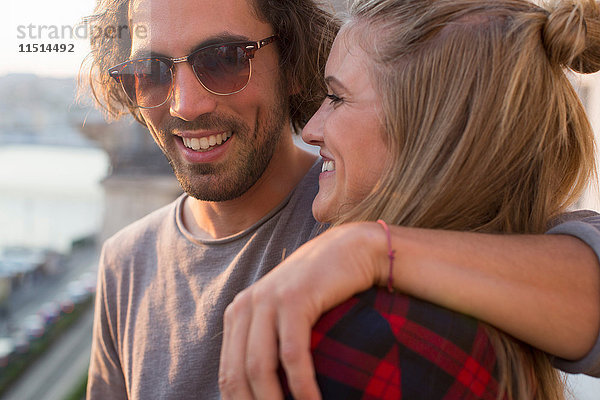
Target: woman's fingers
x,y
272,320
261,351
233,382
294,352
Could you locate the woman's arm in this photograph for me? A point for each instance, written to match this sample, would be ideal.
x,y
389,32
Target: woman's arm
x,y
542,289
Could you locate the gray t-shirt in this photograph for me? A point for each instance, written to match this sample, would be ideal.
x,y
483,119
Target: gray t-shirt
x,y
584,225
162,293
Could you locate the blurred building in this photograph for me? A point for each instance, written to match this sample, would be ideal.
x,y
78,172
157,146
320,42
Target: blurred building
x,y
588,87
140,179
338,5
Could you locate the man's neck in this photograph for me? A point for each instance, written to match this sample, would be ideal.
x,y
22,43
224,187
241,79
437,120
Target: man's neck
x,y
221,219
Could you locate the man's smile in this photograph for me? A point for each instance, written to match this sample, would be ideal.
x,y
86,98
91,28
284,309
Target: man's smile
x,y
206,142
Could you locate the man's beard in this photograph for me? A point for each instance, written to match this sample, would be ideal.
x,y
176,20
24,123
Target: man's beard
x,y
221,182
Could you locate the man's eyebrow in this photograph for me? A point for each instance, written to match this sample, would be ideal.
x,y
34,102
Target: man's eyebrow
x,y
221,38
216,39
143,53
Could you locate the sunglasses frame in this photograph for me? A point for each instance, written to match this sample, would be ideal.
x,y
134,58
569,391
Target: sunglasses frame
x,y
248,47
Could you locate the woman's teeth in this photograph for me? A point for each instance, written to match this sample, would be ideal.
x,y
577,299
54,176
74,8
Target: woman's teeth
x,y
205,143
328,166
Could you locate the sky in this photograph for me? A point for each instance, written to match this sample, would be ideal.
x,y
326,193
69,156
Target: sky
x,y
27,20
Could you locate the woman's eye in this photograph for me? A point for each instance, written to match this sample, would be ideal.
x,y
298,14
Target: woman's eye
x,y
333,98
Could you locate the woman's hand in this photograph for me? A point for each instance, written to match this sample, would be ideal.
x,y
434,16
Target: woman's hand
x,y
272,320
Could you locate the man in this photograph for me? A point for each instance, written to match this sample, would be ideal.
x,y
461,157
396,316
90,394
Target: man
x,y
165,282
219,86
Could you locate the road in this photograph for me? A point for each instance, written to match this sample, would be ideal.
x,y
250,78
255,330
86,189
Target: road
x,y
60,369
27,300
57,371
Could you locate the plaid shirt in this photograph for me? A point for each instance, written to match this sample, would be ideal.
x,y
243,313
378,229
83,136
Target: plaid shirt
x,y
379,345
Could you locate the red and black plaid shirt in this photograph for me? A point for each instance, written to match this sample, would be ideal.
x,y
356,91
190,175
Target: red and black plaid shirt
x,y
379,345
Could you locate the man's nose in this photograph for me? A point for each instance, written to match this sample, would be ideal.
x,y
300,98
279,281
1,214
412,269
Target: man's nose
x,y
189,99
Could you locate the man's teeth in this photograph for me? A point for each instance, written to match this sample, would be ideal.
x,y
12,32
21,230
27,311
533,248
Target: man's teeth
x,y
328,166
205,143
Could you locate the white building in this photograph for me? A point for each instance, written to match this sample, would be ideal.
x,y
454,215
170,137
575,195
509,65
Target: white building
x,y
588,87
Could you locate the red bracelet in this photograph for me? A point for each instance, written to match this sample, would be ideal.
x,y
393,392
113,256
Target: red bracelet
x,y
391,252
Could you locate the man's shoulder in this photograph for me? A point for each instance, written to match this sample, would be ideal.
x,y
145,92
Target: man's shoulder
x,y
577,215
144,230
307,188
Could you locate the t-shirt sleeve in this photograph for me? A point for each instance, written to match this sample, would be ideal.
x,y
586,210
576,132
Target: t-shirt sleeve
x,y
105,376
586,229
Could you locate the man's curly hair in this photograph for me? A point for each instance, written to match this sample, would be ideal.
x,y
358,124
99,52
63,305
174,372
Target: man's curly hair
x,y
305,33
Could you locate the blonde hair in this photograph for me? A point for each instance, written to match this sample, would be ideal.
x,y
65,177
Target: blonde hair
x,y
486,132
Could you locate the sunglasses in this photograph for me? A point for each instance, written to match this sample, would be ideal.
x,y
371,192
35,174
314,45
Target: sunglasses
x,y
222,69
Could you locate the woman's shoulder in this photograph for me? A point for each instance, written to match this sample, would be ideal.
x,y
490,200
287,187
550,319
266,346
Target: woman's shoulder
x,y
388,344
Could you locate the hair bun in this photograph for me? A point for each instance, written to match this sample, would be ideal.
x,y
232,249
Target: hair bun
x,y
572,35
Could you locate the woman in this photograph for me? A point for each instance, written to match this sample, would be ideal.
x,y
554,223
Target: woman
x,y
440,114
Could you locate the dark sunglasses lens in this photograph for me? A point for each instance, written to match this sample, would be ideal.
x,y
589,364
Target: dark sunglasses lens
x,y
222,69
147,83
